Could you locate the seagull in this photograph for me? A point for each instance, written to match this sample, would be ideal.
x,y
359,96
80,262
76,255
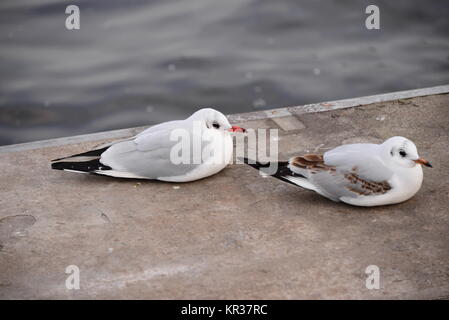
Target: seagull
x,y
357,174
174,151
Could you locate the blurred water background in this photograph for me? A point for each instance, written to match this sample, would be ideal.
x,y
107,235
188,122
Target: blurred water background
x,y
141,62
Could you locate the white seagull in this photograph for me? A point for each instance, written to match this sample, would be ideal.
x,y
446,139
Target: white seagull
x,y
155,153
358,174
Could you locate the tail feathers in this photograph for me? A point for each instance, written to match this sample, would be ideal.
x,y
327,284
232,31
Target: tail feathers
x,y
91,153
82,166
82,162
283,172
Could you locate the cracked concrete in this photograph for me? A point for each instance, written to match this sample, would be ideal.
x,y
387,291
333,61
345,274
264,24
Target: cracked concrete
x,y
235,235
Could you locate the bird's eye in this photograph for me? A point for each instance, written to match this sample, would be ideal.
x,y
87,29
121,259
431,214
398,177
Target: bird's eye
x,y
402,153
216,125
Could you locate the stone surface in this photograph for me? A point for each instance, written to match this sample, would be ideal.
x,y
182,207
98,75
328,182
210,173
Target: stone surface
x,y
289,123
235,235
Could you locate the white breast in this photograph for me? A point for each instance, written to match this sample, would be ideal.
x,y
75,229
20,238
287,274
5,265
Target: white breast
x,y
408,182
221,149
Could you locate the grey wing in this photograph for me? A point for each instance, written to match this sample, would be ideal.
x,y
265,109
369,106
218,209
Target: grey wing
x,y
343,183
345,172
147,155
363,158
158,127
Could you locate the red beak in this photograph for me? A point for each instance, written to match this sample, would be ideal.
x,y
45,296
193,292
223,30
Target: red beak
x,y
237,129
423,162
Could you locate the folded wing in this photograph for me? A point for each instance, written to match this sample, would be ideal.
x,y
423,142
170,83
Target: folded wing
x,y
346,171
147,155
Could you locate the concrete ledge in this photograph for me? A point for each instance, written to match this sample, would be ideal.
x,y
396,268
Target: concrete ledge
x,y
340,104
237,118
235,235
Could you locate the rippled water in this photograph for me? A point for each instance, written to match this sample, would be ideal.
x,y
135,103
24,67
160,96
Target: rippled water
x,y
142,62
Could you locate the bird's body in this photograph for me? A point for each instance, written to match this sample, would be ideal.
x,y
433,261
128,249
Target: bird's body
x,y
358,174
175,151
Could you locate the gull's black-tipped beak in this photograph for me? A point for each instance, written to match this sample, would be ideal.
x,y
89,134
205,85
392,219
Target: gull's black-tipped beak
x,y
423,162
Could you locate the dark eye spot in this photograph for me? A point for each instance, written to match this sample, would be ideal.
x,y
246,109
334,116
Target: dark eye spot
x,y
216,125
402,153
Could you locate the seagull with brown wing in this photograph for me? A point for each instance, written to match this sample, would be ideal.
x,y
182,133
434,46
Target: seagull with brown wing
x,y
358,174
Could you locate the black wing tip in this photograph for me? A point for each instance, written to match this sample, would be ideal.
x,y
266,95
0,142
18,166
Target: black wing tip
x,y
282,173
90,153
84,166
252,162
56,165
258,165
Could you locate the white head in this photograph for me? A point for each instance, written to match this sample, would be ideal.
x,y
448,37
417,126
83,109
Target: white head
x,y
215,120
403,152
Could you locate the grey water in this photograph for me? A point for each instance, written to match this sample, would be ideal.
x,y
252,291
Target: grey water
x,y
138,62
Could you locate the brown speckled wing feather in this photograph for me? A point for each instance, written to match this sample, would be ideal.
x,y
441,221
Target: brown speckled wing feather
x,y
313,164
